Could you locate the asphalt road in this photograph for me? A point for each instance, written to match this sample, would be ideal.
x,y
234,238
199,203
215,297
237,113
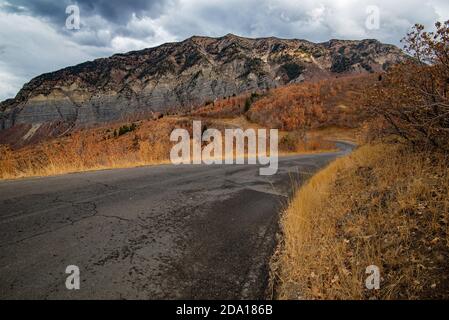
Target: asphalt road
x,y
162,232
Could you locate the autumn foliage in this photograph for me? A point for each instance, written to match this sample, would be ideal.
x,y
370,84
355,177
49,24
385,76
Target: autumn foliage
x,y
308,105
412,100
312,105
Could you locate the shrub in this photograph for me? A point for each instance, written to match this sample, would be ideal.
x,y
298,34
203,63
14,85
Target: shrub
x,y
412,100
250,100
293,70
247,105
292,141
125,129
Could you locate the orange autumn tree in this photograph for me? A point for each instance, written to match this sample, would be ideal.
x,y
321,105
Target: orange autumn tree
x,y
412,100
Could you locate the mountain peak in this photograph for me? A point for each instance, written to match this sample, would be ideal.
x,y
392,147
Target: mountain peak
x,y
231,35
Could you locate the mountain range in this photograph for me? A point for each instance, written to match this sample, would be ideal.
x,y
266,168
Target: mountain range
x,y
186,74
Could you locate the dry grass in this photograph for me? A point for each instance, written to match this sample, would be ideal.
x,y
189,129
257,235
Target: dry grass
x,y
92,149
99,148
383,205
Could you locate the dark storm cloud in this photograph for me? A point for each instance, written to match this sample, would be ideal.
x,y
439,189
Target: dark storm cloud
x,y
119,11
101,20
114,11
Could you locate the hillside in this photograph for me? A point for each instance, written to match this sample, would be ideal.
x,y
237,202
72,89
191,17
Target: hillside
x,y
310,105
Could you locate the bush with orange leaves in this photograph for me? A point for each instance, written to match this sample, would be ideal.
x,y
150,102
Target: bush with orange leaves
x,y
412,101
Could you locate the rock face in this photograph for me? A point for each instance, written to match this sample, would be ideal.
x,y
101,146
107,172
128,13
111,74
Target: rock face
x,y
185,74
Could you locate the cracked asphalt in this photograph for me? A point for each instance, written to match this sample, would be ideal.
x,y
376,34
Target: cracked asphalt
x,y
161,232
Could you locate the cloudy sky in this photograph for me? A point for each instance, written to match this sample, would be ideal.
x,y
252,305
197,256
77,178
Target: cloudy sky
x,y
34,38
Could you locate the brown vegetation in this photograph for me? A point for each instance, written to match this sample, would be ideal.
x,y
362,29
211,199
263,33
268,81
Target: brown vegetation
x,y
227,107
312,105
412,101
298,141
384,205
304,106
125,145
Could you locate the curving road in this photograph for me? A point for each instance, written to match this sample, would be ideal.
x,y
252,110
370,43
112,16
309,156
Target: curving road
x,y
162,232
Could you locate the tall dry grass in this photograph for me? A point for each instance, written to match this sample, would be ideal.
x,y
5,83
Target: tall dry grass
x,y
86,150
384,205
102,148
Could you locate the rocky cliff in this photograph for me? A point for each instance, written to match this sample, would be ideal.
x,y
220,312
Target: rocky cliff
x,y
185,74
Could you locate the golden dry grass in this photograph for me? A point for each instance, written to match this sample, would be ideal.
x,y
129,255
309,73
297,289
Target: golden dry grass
x,y
99,148
91,149
383,205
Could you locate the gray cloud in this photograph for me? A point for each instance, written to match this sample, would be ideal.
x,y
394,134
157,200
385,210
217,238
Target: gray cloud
x,y
33,38
114,11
